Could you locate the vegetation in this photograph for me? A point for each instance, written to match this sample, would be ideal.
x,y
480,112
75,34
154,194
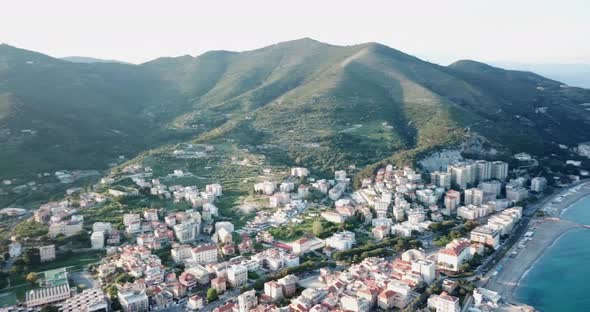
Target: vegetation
x,y
384,248
212,295
301,102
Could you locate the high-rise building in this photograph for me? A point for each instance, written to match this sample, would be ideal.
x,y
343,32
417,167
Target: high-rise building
x,y
452,200
474,196
441,178
499,170
483,170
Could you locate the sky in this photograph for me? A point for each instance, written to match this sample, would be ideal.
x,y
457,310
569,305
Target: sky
x,y
526,31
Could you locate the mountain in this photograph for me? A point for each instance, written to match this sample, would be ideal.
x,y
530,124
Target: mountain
x,y
298,102
577,75
85,59
56,114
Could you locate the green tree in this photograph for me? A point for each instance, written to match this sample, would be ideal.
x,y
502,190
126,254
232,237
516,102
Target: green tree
x,y
212,295
32,278
49,308
317,228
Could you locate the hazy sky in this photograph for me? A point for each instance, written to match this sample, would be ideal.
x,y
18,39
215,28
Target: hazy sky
x,y
440,31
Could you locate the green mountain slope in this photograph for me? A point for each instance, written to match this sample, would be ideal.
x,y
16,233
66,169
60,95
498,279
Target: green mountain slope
x,y
56,114
298,102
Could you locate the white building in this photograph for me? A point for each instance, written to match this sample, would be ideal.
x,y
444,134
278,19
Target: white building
x,y
381,209
90,300
473,196
452,201
247,301
342,240
299,172
491,187
485,235
203,254
97,240
237,275
47,253
102,227
454,255
444,303
483,170
499,170
186,232
538,184
133,300
47,295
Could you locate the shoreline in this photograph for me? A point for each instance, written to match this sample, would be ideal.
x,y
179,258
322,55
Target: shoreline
x,y
548,230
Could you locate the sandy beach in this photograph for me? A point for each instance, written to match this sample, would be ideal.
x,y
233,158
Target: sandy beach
x,y
547,230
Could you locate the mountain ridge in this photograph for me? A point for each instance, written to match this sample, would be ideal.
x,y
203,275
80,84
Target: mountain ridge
x,y
359,103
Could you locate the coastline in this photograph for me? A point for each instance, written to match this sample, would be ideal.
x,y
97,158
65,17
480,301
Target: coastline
x,y
547,231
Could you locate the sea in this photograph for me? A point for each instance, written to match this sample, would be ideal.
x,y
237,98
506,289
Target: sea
x,y
560,279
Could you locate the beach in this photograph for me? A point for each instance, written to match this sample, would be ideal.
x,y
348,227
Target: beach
x,y
547,230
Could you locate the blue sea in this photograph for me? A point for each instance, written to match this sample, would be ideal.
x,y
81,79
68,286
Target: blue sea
x,y
560,280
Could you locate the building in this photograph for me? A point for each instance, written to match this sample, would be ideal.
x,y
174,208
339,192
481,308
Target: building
x,y
426,268
219,284
186,232
15,249
472,212
485,235
483,170
47,253
90,300
266,187
97,240
133,299
493,187
289,284
454,255
516,194
499,170
66,228
333,216
102,227
299,172
444,303
441,178
381,208
273,290
237,275
304,245
538,184
474,196
247,301
452,200
214,189
48,295
462,174
195,303
341,241
203,254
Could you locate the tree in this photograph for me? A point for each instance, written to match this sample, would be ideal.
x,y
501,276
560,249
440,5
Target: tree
x,y
32,278
49,308
317,228
212,295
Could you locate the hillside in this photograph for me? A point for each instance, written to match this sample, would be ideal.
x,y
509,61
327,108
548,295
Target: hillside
x,y
56,114
299,102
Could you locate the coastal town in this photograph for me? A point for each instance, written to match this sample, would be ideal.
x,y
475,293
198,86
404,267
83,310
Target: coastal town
x,y
404,239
